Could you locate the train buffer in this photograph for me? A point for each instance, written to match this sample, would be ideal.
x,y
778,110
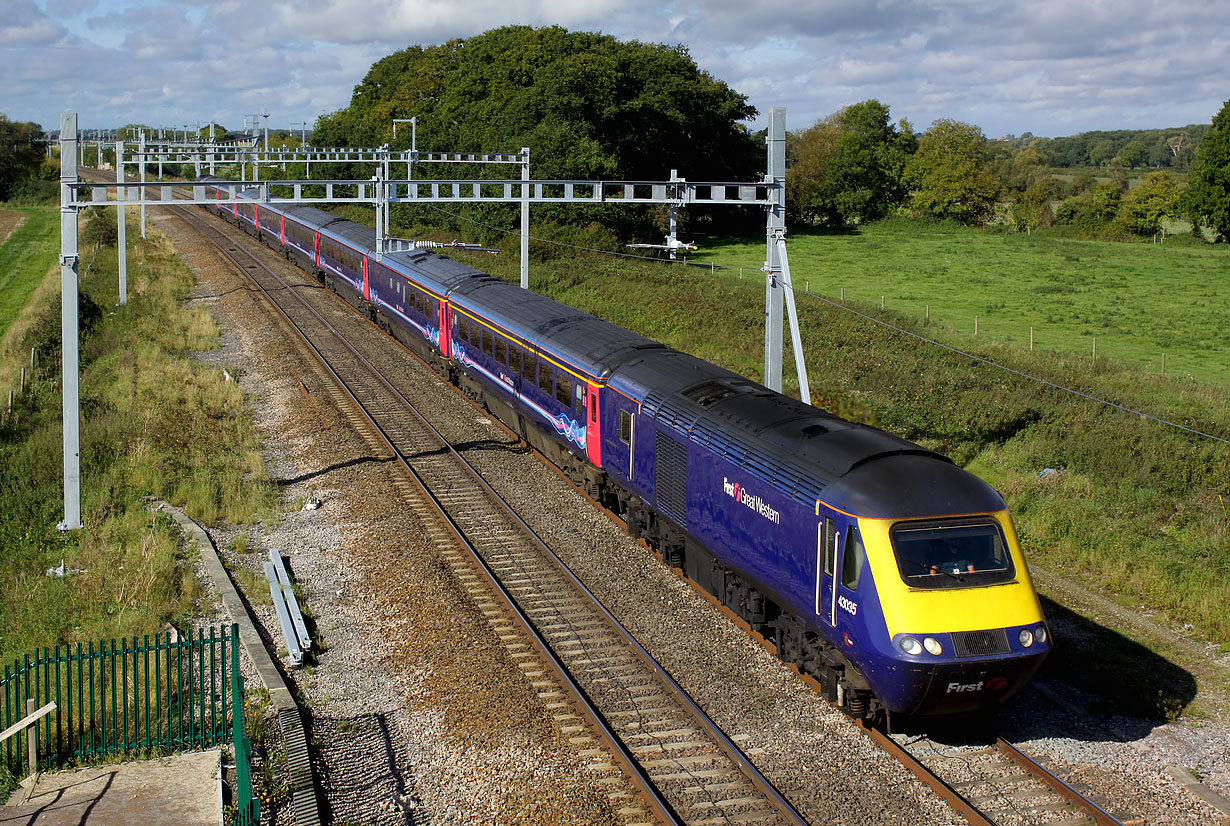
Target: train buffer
x,y
294,630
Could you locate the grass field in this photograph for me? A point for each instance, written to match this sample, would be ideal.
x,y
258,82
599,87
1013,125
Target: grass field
x,y
25,258
1138,300
153,422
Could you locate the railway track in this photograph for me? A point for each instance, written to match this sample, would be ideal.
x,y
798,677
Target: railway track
x,y
685,767
997,784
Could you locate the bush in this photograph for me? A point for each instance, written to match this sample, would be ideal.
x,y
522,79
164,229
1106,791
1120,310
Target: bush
x,y
100,228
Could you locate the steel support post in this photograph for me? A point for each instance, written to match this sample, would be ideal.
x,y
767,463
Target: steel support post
x,y
775,228
121,223
142,148
525,219
69,366
674,222
796,340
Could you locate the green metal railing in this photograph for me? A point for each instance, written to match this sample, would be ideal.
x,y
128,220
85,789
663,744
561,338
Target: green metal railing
x,y
130,697
137,696
248,807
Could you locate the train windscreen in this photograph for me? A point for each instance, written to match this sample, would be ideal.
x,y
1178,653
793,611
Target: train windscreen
x,y
952,554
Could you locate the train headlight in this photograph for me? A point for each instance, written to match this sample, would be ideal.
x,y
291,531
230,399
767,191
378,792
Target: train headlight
x,y
1026,637
933,646
910,645
1040,633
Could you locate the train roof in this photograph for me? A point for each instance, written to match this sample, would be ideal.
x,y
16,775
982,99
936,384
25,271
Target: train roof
x,y
591,344
808,452
310,215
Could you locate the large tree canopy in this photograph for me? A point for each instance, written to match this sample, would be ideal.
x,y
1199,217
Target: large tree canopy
x,y
1208,185
588,106
847,167
948,174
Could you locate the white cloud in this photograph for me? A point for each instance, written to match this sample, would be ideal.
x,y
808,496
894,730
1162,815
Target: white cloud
x,y
1046,66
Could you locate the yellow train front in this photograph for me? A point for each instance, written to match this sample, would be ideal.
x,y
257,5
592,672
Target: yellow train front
x,y
942,618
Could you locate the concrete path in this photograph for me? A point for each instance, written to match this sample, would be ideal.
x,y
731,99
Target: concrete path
x,y
181,790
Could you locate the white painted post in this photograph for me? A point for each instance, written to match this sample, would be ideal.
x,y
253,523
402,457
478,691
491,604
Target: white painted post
x,y
141,147
32,738
775,229
69,362
525,219
121,223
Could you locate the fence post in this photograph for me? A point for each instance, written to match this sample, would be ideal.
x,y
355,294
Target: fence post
x,y
32,736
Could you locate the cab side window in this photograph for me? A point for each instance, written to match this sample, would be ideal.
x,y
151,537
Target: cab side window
x,y
830,544
853,560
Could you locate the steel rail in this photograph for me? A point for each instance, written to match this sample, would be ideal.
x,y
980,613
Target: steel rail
x,y
1022,760
937,784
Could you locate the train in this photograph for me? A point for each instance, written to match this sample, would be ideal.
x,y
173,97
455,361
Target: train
x,y
877,567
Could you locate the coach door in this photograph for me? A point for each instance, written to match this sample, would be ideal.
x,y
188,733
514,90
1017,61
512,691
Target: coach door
x,y
826,566
618,436
593,430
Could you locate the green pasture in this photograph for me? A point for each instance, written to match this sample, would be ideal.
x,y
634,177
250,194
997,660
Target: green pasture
x,y
25,259
1140,301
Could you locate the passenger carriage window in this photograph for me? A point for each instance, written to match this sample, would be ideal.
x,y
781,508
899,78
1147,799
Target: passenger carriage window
x,y
487,343
501,350
546,378
563,389
625,427
530,371
830,543
514,359
852,561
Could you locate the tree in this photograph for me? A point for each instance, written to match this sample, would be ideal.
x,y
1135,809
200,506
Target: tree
x,y
20,153
851,165
809,160
1032,208
1156,198
1207,200
1028,167
1134,153
588,105
948,176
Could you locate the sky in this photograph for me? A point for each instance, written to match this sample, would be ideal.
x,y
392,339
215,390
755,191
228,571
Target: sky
x,y
1050,67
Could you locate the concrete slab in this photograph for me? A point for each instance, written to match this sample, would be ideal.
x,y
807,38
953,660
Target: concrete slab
x,y
182,790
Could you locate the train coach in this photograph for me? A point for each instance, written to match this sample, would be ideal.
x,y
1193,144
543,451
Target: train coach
x,y
874,565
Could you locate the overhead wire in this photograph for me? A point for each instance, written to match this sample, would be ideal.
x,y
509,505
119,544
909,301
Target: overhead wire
x,y
874,320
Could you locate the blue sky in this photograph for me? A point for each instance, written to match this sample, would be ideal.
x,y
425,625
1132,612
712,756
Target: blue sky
x,y
1051,67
